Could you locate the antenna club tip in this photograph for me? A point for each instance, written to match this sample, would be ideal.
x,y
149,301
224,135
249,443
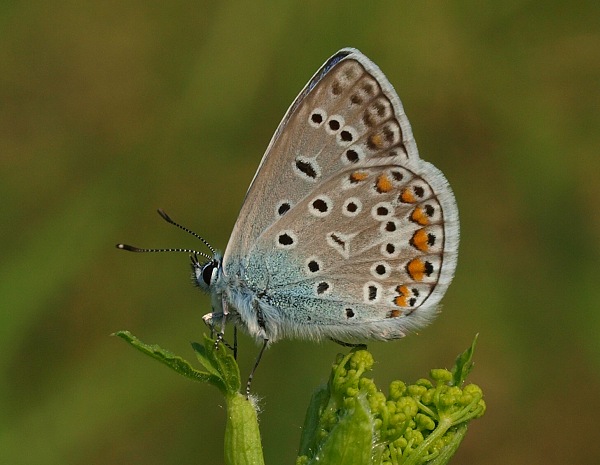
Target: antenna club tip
x,y
126,247
164,215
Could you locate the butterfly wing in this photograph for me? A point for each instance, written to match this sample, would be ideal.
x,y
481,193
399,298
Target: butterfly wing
x,y
345,232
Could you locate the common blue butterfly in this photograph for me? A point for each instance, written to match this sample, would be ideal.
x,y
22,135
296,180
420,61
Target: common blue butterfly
x,y
345,233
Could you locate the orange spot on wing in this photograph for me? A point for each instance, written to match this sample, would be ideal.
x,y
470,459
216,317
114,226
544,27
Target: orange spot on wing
x,y
407,196
416,269
400,299
394,313
384,184
402,289
358,176
419,216
420,240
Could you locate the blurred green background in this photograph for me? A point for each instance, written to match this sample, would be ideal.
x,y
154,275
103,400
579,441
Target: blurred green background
x,y
109,110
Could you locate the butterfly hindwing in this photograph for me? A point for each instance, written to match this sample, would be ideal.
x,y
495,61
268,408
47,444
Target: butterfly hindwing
x,y
359,257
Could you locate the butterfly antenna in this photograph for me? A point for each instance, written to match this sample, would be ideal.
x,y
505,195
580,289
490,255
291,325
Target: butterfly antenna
x,y
194,253
168,219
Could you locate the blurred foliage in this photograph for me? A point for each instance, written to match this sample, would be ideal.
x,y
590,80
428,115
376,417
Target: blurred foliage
x,y
109,110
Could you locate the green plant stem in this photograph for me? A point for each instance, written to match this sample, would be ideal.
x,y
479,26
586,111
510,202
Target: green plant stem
x,y
416,455
447,452
242,436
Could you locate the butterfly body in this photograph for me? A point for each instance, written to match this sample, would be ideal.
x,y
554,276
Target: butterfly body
x,y
345,232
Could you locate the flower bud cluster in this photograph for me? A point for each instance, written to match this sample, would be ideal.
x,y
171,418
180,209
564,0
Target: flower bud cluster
x,y
414,422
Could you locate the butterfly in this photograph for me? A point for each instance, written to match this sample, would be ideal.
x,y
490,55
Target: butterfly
x,y
345,233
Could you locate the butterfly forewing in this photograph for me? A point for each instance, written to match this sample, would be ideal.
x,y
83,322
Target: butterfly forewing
x,y
346,115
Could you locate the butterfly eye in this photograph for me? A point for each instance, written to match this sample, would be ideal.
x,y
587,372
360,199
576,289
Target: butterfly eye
x,y
208,274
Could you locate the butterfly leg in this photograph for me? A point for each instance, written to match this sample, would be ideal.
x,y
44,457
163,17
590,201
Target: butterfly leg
x,y
221,333
231,347
208,321
349,344
262,349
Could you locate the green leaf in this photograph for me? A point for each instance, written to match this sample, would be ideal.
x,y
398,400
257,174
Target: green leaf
x,y
351,440
309,438
463,365
219,361
205,355
221,368
169,359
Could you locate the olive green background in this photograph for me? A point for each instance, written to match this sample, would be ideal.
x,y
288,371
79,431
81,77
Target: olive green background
x,y
109,110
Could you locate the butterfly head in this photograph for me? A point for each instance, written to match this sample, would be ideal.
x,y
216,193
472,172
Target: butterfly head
x,y
206,274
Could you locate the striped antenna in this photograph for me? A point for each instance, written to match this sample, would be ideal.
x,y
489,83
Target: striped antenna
x,y
168,219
